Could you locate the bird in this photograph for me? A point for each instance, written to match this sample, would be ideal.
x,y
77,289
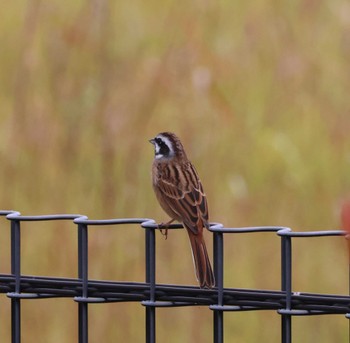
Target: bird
x,y
179,192
345,219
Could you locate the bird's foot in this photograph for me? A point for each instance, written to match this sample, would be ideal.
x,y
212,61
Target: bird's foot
x,y
164,227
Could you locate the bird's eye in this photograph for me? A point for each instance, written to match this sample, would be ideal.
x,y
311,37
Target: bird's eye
x,y
159,142
162,148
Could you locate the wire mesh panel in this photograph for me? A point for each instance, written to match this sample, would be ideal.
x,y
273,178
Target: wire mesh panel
x,y
19,287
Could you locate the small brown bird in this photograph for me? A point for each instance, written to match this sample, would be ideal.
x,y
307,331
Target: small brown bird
x,y
180,194
345,218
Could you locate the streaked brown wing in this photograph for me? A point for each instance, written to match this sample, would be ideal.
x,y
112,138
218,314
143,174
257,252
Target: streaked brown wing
x,y
185,196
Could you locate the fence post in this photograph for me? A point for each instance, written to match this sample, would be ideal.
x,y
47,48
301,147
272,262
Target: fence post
x,y
286,319
218,319
16,272
150,278
83,276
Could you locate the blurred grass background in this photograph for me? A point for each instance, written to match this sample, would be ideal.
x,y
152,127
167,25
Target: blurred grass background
x,y
259,94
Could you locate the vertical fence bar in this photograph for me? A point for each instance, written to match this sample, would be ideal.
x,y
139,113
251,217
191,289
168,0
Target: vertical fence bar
x,y
83,275
150,278
16,271
286,320
218,315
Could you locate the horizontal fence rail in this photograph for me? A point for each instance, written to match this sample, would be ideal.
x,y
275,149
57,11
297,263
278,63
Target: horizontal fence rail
x,y
84,291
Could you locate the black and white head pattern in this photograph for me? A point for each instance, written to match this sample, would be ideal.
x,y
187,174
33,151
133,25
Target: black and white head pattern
x,y
167,145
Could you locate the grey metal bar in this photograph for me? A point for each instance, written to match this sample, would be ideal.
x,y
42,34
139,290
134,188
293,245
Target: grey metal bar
x,y
150,278
83,275
218,315
16,272
286,320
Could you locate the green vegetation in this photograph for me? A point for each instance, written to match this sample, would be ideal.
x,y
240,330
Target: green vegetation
x,y
258,93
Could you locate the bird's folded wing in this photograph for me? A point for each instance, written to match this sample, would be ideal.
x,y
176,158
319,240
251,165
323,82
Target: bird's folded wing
x,y
187,199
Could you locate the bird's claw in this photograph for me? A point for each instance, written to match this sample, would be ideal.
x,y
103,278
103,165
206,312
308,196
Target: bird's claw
x,y
163,227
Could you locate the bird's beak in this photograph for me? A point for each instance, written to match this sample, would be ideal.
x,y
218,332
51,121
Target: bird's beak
x,y
152,141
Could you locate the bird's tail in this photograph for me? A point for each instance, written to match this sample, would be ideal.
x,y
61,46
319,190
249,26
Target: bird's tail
x,y
202,266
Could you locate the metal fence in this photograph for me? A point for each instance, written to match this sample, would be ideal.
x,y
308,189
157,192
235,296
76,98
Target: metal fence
x,y
151,295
